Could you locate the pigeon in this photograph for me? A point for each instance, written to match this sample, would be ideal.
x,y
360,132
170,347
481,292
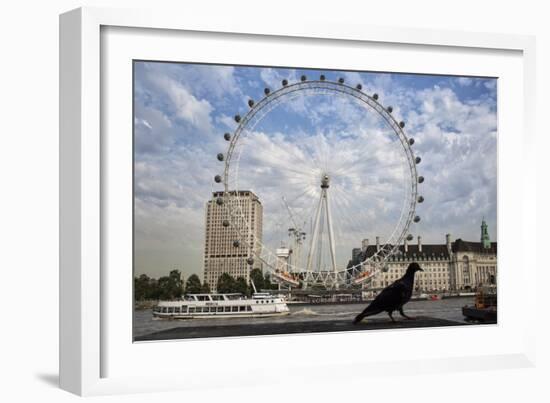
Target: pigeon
x,y
393,297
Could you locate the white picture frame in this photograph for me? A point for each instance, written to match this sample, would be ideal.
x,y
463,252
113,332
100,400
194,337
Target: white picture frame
x,y
85,343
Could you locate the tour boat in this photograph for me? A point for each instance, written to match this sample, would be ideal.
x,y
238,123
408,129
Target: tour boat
x,y
221,306
485,305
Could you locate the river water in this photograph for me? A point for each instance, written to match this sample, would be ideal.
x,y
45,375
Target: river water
x,y
449,309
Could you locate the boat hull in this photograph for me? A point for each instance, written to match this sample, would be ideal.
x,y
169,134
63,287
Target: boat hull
x,y
480,315
220,315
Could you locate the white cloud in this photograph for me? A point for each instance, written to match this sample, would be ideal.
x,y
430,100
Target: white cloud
x,y
186,105
464,81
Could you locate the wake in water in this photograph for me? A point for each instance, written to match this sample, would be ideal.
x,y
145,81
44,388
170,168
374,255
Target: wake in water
x,y
311,312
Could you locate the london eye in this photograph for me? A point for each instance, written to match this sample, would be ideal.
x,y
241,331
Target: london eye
x,y
331,190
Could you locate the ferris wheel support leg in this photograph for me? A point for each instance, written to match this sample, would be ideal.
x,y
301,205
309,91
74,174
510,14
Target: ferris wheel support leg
x,y
331,238
315,234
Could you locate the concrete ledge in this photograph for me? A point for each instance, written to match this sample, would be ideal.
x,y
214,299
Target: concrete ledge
x,y
262,329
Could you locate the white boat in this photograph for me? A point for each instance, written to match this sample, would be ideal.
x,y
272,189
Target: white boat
x,y
221,306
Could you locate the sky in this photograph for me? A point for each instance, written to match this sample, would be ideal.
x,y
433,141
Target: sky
x,y
181,112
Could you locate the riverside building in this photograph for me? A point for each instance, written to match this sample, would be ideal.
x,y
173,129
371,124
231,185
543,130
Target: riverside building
x,y
220,253
449,266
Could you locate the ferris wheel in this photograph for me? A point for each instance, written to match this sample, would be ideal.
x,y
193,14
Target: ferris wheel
x,y
340,187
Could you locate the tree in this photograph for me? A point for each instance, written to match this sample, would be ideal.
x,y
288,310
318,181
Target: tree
x,y
241,286
176,283
193,285
141,287
171,286
258,278
226,283
268,285
205,288
145,288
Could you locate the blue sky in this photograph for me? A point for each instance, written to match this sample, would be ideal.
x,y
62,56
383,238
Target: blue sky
x,y
182,111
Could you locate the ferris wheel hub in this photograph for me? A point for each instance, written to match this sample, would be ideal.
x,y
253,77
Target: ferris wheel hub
x,y
325,181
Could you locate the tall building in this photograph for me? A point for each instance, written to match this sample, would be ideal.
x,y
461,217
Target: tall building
x,y
458,265
221,254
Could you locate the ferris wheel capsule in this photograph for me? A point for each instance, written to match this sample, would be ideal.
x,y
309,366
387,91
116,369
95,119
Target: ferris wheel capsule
x,y
359,87
410,237
227,136
220,157
411,141
401,124
375,96
417,160
237,118
420,179
341,80
236,243
303,78
322,77
251,103
389,109
284,82
416,219
225,223
267,91
219,201
250,261
420,199
217,178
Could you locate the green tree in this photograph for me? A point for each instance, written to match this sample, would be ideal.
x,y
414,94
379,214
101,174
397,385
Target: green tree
x,y
176,283
226,283
241,286
205,288
171,286
193,285
141,287
268,285
258,278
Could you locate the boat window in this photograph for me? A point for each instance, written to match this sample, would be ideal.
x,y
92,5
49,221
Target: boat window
x,y
227,309
220,309
249,308
177,309
157,309
242,308
234,309
164,309
199,309
183,308
191,309
170,309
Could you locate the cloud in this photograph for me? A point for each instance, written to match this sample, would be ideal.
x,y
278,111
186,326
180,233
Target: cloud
x,y
183,104
464,81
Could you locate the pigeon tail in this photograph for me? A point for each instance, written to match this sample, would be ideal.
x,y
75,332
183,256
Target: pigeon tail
x,y
358,318
365,313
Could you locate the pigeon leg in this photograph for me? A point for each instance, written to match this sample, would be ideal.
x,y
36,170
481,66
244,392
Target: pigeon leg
x,y
405,316
391,317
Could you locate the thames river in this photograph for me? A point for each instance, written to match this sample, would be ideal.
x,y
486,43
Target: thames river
x,y
445,309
